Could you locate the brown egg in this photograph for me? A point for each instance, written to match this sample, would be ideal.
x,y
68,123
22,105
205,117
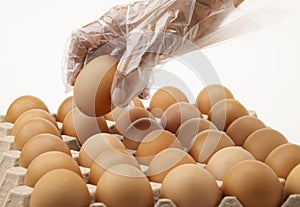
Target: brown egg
x,y
224,112
225,158
49,161
292,183
189,185
165,97
68,126
210,95
93,86
81,126
64,108
130,187
127,117
262,141
114,114
153,143
95,145
137,102
166,160
22,104
242,127
178,113
189,129
39,144
253,183
31,128
30,114
137,131
109,158
205,144
283,159
60,188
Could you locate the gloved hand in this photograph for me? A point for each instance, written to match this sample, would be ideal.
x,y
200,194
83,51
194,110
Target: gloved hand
x,y
142,35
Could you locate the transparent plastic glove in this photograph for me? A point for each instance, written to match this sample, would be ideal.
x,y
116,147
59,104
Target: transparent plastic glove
x,y
143,34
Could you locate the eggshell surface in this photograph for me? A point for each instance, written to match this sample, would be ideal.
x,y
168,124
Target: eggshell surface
x,y
60,188
210,95
178,113
64,108
95,145
31,128
22,104
30,114
205,144
169,95
166,160
39,144
292,184
49,161
113,115
155,142
127,117
137,131
130,187
93,86
189,129
189,185
109,158
242,127
283,159
253,183
81,126
225,111
262,141
225,158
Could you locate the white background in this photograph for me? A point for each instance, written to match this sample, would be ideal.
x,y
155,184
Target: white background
x,y
260,68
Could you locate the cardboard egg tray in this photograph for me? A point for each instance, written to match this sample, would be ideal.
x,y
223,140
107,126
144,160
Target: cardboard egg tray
x,y
13,193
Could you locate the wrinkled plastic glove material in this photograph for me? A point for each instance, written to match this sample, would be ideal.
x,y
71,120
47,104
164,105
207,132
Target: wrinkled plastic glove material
x,y
142,35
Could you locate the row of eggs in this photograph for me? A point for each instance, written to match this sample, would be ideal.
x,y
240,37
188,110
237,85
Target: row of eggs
x,y
220,157
170,137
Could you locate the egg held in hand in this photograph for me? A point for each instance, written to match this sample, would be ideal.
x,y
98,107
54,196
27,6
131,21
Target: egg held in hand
x,y
93,86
